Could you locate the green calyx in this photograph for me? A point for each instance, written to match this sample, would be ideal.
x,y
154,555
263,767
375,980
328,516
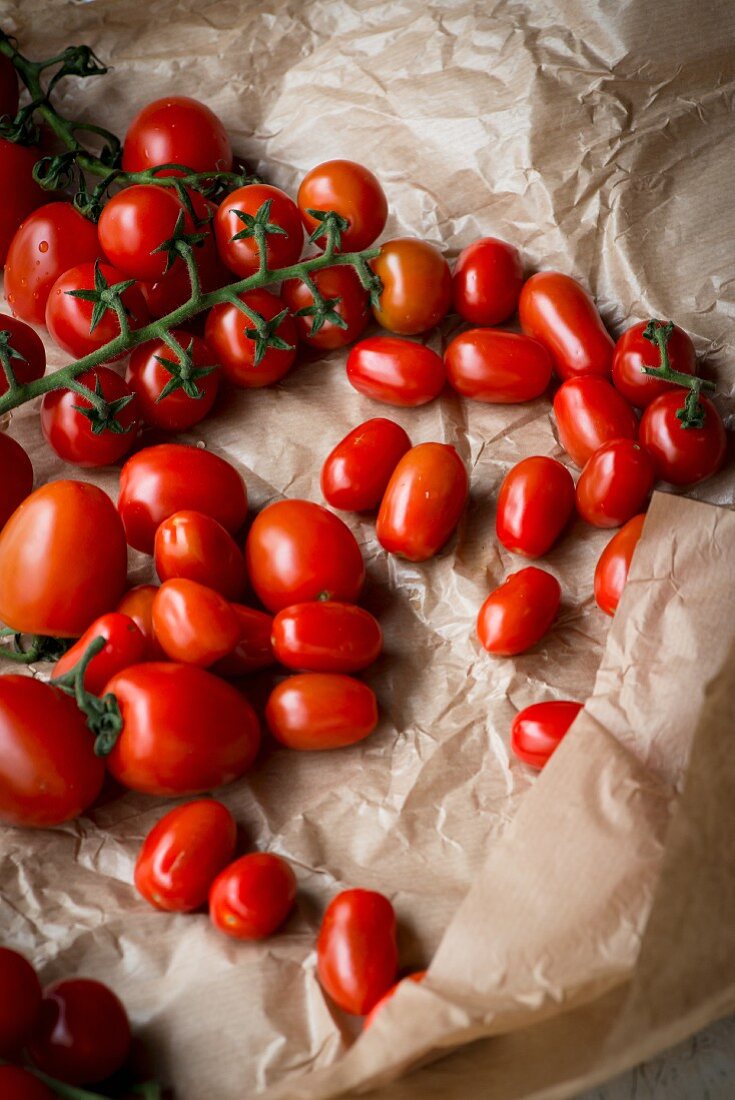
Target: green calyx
x,y
692,413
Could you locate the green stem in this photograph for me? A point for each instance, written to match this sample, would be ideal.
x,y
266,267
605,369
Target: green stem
x,y
103,714
692,413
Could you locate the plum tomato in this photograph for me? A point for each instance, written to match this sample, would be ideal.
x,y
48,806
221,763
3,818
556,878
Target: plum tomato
x,y
518,613
233,339
351,191
487,280
590,412
19,192
558,312
633,351
398,372
77,432
69,319
20,1002
84,1033
124,646
417,286
25,350
17,1083
501,368
176,130
535,504
195,546
16,477
254,650
682,456
236,215
356,473
170,396
133,225
538,729
342,287
417,976
615,484
424,501
326,637
250,899
321,710
356,951
193,623
613,566
137,604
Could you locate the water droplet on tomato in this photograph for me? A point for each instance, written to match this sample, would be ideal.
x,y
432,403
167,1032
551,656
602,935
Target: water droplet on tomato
x,y
43,246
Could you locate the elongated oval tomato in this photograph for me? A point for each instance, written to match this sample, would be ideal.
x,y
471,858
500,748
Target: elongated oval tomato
x,y
282,248
176,130
518,613
417,976
538,729
16,476
29,362
67,427
183,854
167,396
134,222
356,473
84,1032
501,368
250,899
20,1003
399,372
487,280
124,646
19,192
137,604
194,546
254,650
590,412
326,637
615,483
340,285
613,566
351,191
69,319
683,456
424,501
556,310
227,329
321,710
535,504
417,286
193,623
633,351
357,953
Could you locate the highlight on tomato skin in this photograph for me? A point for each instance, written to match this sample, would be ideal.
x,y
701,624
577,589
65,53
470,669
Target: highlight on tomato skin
x,y
613,566
417,286
538,729
615,484
194,546
589,412
487,281
518,613
633,351
176,130
356,472
535,504
502,368
251,899
396,371
326,636
557,310
124,646
194,624
316,711
353,192
683,456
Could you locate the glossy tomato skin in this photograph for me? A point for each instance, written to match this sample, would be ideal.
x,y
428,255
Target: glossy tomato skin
x,y
69,319
137,604
70,433
147,376
633,351
615,484
194,546
19,193
357,954
417,286
168,746
183,854
168,478
424,501
17,1083
501,368
333,283
356,473
535,504
326,637
350,190
226,331
487,281
321,710
417,976
193,623
538,729
242,256
518,613
556,310
250,899
683,456
124,646
63,560
613,566
254,650
16,476
20,1002
176,130
134,222
84,1033
590,412
173,288
298,551
24,340
398,372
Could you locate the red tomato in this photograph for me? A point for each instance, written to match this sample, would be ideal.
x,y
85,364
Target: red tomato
x,y
418,976
633,351
615,484
176,130
173,288
134,223
589,412
20,1084
321,710
502,368
535,503
184,853
19,193
53,239
350,190
487,280
340,285
326,637
254,650
72,434
137,604
9,90
517,614
417,286
63,560
69,319
424,501
23,340
169,745
226,332
356,952
242,256
613,566
158,481
125,646
538,729
399,372
193,623
48,770
252,897
356,473
558,312
166,397
84,1034
195,546
20,1002
16,476
298,551
683,456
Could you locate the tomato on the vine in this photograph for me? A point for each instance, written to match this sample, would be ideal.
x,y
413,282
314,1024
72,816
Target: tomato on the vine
x,y
20,1002
26,351
333,283
70,319
17,1083
124,646
356,472
195,546
399,372
615,483
423,502
250,899
19,192
321,710
242,255
176,130
613,566
16,476
173,288
133,225
232,337
72,430
683,456
84,1033
535,504
633,351
326,636
357,952
417,977
193,623
168,396
137,604
417,286
558,312
517,614
254,650
353,192
487,280
498,367
538,729
590,412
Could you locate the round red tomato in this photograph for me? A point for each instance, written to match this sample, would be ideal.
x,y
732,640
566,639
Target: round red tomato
x,y
615,483
168,396
19,192
350,190
74,436
417,977
633,351
84,1033
9,90
538,729
29,361
498,367
535,503
356,952
173,288
232,337
20,1002
399,372
193,623
590,412
558,312
612,569
487,280
16,476
321,710
683,456
124,646
236,215
69,319
134,223
424,501
137,604
517,614
176,130
254,651
356,473
340,285
417,286
20,1084
194,546
326,637
252,897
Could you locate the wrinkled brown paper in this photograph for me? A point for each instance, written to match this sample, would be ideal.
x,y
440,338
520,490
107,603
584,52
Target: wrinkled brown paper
x,y
583,919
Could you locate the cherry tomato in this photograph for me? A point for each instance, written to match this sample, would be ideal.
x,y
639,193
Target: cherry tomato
x,y
20,1084
48,770
69,319
134,223
183,854
169,745
173,288
340,285
166,397
417,976
538,729
487,280
558,312
63,560
282,249
193,623
350,190
9,90
356,952
298,551
424,501
613,566
16,476
176,130
615,484
633,351
254,651
517,614
356,473
399,372
417,286
226,332
501,368
535,503
30,363
326,637
20,1002
683,456
52,240
74,436
252,897
137,604
168,478
19,193
590,412
84,1033
195,546
321,710
125,646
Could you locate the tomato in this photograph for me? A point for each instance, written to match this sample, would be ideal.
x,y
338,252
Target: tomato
x,y
517,614
590,412
183,854
612,569
356,473
16,476
171,477
63,560
399,372
84,1033
53,239
487,280
538,729
20,1084
166,397
30,363
193,545
252,897
298,551
69,319
683,456
19,193
20,1001
226,332
556,310
176,130
133,224
417,976
615,483
173,288
417,286
282,249
48,770
424,501
340,285
535,504
321,710
193,623
356,952
137,604
73,436
351,191
9,90
502,368
125,646
633,351
326,637
254,651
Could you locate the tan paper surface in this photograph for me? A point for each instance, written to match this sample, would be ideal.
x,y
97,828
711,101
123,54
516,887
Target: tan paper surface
x,y
602,144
